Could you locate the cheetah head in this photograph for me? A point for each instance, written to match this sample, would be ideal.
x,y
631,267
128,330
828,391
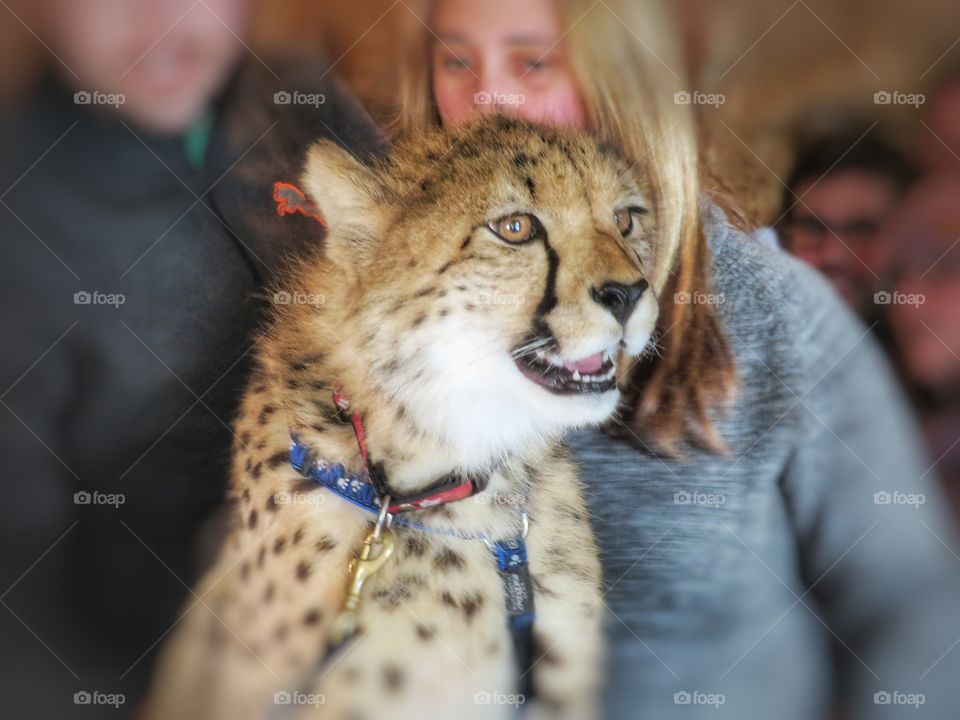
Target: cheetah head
x,y
490,281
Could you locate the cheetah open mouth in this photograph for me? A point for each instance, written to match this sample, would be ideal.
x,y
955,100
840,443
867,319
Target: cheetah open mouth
x,y
594,374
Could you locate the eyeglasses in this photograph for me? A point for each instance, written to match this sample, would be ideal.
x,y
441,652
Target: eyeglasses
x,y
810,233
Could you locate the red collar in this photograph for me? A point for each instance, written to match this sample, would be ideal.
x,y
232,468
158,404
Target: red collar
x,y
450,488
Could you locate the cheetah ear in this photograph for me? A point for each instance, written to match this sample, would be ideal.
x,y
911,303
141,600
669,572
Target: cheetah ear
x,y
351,199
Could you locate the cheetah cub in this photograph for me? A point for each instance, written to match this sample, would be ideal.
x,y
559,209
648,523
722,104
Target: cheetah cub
x,y
473,300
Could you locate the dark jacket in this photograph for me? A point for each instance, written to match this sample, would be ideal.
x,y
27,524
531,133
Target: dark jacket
x,y
130,290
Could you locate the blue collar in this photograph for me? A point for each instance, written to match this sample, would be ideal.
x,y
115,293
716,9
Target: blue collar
x,y
510,554
358,488
352,487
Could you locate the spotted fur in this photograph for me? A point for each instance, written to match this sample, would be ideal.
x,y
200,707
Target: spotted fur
x,y
415,309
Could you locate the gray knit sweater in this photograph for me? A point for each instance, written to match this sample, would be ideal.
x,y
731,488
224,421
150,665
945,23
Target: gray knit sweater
x,y
808,569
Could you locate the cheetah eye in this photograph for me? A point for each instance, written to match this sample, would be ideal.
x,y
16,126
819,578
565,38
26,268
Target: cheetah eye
x,y
515,229
623,218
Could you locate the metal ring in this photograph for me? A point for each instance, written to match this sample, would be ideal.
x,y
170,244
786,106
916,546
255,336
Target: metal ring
x,y
526,525
383,519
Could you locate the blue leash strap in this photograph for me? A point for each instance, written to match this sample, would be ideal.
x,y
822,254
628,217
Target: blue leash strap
x,y
509,554
511,557
335,477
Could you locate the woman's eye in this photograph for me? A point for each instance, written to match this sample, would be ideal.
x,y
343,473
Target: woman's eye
x,y
535,64
455,63
624,220
515,229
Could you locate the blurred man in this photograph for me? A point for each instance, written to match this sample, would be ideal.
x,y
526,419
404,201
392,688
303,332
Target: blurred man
x,y
924,309
166,83
138,228
839,196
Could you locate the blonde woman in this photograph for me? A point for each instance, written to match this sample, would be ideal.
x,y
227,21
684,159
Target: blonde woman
x,y
758,558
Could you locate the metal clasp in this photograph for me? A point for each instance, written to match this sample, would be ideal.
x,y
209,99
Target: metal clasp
x,y
377,549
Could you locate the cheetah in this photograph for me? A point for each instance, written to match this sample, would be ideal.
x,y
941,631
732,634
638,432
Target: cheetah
x,y
479,293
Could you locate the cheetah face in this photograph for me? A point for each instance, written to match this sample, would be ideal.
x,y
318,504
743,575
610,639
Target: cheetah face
x,y
499,275
585,363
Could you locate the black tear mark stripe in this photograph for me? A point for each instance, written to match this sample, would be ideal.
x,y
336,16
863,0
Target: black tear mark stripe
x,y
549,300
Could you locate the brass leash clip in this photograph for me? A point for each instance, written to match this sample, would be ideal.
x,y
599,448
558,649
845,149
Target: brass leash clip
x,y
377,549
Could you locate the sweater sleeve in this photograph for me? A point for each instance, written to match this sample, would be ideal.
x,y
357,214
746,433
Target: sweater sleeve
x,y
877,548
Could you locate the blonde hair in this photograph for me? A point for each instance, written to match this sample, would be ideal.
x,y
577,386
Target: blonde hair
x,y
628,67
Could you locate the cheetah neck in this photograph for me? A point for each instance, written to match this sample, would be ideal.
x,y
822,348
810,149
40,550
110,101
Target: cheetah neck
x,y
496,511
409,460
312,351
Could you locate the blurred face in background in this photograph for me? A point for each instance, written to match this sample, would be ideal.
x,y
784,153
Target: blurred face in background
x,y
927,330
837,229
502,56
167,58
941,149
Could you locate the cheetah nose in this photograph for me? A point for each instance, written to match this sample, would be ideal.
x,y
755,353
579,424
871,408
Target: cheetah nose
x,y
618,298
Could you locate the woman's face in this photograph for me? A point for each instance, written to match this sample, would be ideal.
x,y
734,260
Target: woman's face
x,y
502,56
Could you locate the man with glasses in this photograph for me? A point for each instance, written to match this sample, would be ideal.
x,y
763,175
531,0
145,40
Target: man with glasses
x,y
839,196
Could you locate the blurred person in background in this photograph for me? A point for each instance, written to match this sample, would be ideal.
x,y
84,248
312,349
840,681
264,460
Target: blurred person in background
x,y
750,552
138,228
924,314
838,197
940,146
